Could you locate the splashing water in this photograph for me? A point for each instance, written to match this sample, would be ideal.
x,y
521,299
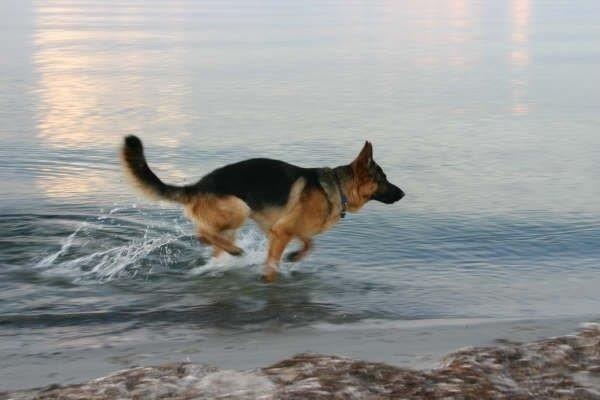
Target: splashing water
x,y
123,261
49,260
115,262
156,252
254,244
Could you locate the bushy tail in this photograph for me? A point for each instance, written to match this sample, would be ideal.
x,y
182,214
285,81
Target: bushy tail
x,y
142,176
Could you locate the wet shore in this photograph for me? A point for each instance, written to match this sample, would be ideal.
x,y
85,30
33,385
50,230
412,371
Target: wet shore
x,y
562,367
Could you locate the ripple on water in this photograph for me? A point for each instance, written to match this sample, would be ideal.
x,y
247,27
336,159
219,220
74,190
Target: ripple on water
x,y
132,263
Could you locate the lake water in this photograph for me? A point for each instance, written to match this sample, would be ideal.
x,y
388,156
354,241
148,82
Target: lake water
x,y
486,113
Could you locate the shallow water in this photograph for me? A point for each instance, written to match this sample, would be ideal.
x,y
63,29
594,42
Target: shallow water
x,y
485,113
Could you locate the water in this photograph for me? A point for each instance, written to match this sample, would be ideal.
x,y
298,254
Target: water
x,y
485,113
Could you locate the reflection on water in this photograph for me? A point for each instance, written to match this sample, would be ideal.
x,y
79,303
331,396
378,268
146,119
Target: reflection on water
x,y
520,10
94,74
69,185
519,55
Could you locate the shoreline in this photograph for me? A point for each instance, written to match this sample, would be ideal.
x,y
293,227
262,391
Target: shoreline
x,y
561,367
419,344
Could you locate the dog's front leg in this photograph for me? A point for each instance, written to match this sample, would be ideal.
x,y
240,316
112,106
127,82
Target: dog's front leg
x,y
278,240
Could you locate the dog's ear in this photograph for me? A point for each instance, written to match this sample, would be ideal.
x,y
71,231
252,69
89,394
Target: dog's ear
x,y
365,157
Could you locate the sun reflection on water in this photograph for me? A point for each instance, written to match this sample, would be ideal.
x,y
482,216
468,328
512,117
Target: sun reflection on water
x,y
519,55
93,86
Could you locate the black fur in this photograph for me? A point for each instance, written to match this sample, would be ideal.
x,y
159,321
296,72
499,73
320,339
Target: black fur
x,y
260,182
133,155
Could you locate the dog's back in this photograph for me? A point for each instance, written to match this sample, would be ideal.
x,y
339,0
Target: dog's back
x,y
259,182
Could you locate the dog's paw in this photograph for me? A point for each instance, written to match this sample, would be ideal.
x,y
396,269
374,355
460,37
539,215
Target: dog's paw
x,y
293,256
269,276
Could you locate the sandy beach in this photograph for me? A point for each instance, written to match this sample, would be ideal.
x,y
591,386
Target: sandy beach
x,y
409,344
563,367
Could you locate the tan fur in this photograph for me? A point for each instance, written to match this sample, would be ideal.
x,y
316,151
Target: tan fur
x,y
308,217
312,214
306,214
360,187
217,219
268,217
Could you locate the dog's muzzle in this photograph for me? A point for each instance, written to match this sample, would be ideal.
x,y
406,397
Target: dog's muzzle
x,y
400,194
391,195
396,194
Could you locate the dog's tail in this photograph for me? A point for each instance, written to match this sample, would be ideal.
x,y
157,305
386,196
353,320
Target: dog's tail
x,y
134,161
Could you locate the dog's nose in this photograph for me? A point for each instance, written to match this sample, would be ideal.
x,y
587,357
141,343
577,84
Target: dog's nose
x,y
400,193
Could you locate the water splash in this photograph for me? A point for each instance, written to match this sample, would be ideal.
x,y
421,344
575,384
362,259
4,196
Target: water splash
x,y
110,247
118,262
254,244
93,253
65,246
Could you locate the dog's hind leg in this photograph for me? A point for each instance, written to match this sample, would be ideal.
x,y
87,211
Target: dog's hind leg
x,y
218,218
227,234
219,242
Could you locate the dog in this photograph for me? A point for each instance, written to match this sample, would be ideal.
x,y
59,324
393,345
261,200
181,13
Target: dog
x,y
287,202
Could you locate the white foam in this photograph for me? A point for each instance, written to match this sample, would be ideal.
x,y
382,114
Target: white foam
x,y
254,244
66,245
124,261
108,264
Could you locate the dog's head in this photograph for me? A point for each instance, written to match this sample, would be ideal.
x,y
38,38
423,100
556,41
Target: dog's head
x,y
371,181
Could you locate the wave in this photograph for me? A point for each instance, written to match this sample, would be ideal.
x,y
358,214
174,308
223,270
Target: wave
x,y
391,324
111,246
254,244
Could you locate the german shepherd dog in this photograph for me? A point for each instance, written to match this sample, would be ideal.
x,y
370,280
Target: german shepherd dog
x,y
285,200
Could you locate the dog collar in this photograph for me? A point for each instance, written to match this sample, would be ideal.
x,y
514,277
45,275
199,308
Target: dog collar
x,y
343,197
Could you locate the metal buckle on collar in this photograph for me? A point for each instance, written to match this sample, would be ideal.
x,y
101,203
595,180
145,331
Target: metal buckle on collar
x,y
344,203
